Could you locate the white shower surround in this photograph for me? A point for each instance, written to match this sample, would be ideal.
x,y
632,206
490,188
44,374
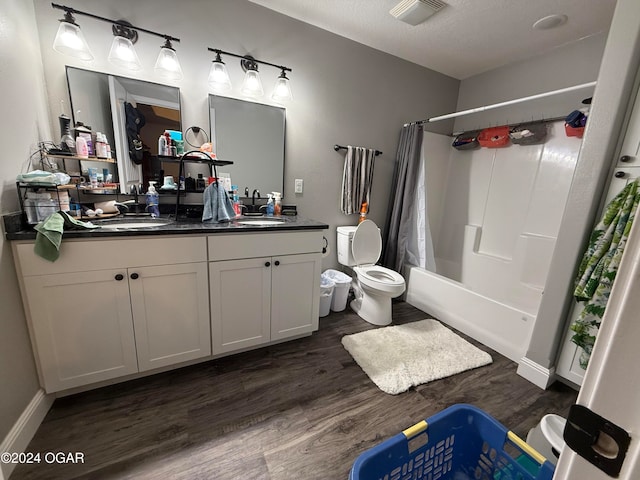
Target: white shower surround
x,y
494,215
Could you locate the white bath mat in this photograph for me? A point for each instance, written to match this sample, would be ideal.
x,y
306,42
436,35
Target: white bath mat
x,y
401,356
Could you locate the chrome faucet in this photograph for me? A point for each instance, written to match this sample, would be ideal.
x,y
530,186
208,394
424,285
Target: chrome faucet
x,y
253,196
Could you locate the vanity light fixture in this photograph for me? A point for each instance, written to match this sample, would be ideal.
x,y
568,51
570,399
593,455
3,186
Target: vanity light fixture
x,y
252,84
69,40
282,90
167,64
219,76
122,53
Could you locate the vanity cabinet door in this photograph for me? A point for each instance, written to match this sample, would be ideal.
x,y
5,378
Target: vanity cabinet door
x,y
240,301
295,295
81,327
170,306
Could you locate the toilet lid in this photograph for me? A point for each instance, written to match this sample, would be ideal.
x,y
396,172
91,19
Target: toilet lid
x,y
367,243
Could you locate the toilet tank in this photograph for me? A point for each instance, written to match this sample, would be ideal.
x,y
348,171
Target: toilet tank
x,y
345,236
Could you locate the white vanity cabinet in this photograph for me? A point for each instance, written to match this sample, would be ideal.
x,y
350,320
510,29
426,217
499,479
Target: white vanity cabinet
x,y
264,287
109,308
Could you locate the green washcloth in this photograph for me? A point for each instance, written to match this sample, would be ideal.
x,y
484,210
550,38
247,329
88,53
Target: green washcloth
x,y
50,230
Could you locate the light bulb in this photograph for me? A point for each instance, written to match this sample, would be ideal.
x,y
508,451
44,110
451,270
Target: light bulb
x,y
219,77
167,64
252,85
70,41
282,90
123,54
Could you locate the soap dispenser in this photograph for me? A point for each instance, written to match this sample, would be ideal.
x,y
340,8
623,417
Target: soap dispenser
x,y
270,207
153,199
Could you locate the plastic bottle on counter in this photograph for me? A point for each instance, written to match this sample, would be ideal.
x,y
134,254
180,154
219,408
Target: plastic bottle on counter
x,y
277,206
270,206
200,183
153,199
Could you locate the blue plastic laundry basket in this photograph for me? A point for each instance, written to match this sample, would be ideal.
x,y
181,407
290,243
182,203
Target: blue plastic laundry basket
x,y
459,443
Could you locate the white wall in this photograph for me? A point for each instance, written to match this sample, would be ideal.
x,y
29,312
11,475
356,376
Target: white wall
x,y
572,64
344,92
23,123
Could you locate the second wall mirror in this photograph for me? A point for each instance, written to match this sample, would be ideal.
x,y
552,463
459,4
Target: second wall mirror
x,y
252,135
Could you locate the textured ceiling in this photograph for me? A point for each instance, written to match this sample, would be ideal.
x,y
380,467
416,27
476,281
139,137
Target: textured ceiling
x,y
463,39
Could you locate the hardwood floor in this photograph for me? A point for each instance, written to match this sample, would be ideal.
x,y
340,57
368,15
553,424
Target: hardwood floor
x,y
299,410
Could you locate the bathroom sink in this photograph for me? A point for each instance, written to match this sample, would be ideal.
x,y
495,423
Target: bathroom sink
x,y
264,222
134,225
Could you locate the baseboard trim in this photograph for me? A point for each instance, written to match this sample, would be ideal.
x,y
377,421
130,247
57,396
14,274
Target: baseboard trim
x,y
25,428
537,374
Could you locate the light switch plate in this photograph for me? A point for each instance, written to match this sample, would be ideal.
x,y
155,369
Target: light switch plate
x,y
298,185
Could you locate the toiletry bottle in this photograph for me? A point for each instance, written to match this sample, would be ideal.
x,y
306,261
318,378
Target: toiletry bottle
x,y
81,147
200,183
189,183
101,148
152,201
270,206
162,145
363,212
277,207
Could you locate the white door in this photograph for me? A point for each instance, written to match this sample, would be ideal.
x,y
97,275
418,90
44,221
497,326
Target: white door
x,y
170,306
295,295
240,301
82,326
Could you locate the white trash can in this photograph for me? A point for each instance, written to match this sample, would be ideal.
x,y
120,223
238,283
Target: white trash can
x,y
342,283
326,294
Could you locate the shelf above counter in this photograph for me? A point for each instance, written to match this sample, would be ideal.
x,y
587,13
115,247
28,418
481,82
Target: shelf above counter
x,y
195,159
84,159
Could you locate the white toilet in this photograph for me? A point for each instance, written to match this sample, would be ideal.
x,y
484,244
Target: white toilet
x,y
547,436
360,247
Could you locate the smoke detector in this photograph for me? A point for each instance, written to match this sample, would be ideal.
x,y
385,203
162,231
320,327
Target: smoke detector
x,y
415,12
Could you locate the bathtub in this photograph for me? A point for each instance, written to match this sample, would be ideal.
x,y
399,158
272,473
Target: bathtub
x,y
499,326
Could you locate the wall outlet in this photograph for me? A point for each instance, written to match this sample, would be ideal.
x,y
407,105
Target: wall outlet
x,y
298,185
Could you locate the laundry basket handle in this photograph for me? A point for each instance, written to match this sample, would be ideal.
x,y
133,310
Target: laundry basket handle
x,y
526,448
416,429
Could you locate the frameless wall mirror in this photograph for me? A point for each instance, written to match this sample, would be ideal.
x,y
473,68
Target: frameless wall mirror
x,y
252,136
100,101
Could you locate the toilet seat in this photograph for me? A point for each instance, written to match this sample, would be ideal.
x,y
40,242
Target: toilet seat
x,y
380,278
366,245
552,426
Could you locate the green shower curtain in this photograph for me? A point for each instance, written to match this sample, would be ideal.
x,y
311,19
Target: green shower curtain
x,y
599,266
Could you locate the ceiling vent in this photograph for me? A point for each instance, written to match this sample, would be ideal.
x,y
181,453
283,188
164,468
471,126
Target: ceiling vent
x,y
415,12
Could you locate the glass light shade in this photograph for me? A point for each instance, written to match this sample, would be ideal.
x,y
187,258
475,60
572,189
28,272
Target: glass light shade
x,y
252,85
70,41
282,90
123,54
167,64
219,77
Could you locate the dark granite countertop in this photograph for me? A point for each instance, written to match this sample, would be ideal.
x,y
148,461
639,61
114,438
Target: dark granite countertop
x,y
173,227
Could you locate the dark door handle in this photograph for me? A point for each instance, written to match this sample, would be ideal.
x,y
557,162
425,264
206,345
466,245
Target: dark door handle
x,y
626,158
620,175
134,276
277,262
119,277
267,264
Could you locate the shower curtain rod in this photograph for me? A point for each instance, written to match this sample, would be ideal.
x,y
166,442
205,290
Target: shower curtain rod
x,y
508,102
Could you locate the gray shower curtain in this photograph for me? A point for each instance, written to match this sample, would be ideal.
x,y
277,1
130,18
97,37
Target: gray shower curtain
x,y
403,190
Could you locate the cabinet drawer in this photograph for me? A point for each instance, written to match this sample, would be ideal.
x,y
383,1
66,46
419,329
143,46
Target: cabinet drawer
x,y
252,245
99,254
